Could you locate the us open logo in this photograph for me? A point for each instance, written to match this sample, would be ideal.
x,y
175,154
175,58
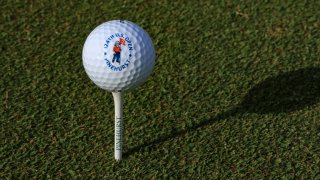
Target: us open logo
x,y
118,50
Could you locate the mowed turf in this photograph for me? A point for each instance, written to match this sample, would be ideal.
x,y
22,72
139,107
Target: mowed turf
x,y
235,92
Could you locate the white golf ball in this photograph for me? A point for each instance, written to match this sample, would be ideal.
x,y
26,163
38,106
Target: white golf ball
x,y
118,55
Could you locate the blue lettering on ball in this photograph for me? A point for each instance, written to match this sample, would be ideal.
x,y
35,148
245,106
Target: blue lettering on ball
x,y
117,68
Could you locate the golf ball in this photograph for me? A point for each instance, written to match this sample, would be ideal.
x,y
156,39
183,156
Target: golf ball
x,y
118,55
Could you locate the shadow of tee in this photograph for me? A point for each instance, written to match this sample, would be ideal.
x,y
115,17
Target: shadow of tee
x,y
286,92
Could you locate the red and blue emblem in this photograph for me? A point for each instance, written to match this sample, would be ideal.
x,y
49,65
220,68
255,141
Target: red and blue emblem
x,y
118,50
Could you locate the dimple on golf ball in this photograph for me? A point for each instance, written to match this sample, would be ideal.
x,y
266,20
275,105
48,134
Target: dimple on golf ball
x,y
118,55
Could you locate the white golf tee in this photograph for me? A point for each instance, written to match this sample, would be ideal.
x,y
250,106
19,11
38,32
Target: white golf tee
x,y
118,126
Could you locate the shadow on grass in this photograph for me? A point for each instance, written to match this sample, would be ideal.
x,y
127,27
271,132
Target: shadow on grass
x,y
287,92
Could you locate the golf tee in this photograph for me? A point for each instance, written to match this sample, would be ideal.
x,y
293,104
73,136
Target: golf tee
x,y
118,136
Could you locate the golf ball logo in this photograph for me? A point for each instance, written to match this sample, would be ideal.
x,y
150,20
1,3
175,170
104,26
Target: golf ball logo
x,y
118,50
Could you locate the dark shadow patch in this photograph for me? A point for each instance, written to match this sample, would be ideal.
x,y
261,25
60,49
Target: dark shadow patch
x,y
286,92
283,93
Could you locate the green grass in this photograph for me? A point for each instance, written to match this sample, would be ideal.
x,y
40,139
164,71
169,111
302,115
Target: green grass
x,y
235,92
